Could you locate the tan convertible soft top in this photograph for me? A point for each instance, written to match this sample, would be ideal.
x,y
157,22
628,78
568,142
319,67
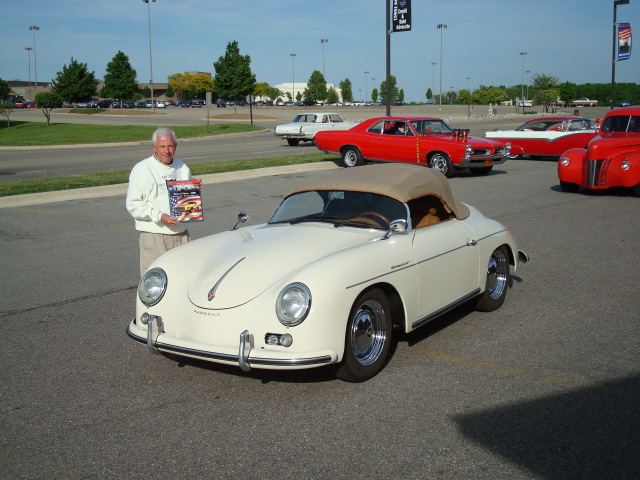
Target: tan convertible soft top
x,y
401,181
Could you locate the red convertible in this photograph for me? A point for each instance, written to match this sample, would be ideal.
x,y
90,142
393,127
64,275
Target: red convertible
x,y
428,141
547,137
612,159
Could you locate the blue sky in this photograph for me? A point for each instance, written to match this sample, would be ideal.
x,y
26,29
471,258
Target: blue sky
x,y
570,39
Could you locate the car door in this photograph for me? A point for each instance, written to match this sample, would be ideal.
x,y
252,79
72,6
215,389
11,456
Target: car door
x,y
396,147
447,261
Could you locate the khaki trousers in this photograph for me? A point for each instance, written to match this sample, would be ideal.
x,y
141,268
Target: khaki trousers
x,y
153,245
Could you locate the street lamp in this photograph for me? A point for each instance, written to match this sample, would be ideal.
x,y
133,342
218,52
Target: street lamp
x,y
366,86
441,27
360,94
433,75
468,87
293,78
527,72
153,103
522,92
323,41
35,64
28,49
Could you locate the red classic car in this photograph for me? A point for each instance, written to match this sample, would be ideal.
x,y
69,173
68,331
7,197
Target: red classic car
x,y
547,137
612,159
429,141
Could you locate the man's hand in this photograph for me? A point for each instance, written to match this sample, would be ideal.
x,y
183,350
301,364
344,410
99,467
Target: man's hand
x,y
168,220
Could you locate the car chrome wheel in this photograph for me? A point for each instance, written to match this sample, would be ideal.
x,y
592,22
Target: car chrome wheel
x,y
497,283
368,337
351,157
441,163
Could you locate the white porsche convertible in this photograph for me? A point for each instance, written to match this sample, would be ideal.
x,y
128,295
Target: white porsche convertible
x,y
342,261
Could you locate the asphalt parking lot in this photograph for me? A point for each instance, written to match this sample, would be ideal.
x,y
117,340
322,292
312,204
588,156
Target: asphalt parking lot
x,y
547,387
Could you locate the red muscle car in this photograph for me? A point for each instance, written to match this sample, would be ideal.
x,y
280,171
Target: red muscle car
x,y
612,159
428,141
547,137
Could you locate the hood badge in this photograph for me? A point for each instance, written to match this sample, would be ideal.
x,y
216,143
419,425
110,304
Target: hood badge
x,y
212,293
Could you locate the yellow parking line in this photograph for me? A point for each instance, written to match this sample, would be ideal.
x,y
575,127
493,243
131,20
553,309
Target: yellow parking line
x,y
525,373
73,218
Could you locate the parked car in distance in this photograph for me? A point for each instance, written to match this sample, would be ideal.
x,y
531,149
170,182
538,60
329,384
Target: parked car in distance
x,y
546,136
268,103
82,105
280,103
625,104
377,249
128,104
221,104
612,158
28,104
141,104
305,126
195,103
426,141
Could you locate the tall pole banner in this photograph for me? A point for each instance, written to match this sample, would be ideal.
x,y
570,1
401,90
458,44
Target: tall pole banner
x,y
401,15
624,41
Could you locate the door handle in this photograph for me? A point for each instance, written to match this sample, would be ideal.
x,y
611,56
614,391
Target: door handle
x,y
472,243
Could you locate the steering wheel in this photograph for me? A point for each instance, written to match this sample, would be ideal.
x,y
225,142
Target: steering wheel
x,y
375,214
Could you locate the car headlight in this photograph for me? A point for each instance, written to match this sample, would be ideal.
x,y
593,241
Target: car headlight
x,y
293,304
152,286
626,165
468,150
565,161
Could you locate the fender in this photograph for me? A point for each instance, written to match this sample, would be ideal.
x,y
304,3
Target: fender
x,y
570,165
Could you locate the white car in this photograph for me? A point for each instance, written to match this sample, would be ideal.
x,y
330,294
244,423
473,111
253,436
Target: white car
x,y
305,126
342,261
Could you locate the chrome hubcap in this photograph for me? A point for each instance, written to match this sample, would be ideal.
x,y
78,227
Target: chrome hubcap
x,y
497,275
350,158
368,332
439,163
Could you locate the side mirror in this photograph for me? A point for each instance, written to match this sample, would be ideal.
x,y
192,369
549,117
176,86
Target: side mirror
x,y
397,227
242,217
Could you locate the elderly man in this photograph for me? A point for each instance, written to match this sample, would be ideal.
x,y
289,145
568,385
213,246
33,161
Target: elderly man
x,y
148,199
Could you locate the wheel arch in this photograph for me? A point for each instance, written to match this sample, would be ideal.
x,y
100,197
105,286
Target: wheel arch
x,y
396,303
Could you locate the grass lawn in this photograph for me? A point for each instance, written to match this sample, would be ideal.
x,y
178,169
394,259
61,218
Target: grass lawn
x,y
35,133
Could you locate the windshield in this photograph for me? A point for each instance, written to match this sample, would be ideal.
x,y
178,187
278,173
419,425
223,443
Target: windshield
x,y
342,208
429,126
622,123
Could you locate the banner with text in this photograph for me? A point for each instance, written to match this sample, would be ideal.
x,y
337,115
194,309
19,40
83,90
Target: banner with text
x,y
401,15
624,41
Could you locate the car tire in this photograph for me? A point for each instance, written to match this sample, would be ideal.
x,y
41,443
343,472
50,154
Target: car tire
x,y
351,157
293,142
368,337
441,163
514,156
636,190
481,170
498,280
569,187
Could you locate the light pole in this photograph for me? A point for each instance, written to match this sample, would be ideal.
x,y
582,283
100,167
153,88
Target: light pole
x,y
468,87
323,41
433,76
522,93
441,27
614,53
35,61
360,93
527,72
293,76
366,86
153,103
28,49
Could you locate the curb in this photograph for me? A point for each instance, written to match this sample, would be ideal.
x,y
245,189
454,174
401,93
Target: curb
x,y
121,189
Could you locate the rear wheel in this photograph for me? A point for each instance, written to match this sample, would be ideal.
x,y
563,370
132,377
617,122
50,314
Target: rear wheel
x,y
498,277
481,170
351,157
569,187
368,337
441,163
293,142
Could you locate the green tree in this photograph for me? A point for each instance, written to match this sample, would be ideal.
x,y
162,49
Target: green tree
x,y
233,79
75,83
316,87
47,101
346,90
401,95
260,90
6,109
298,96
120,79
145,92
169,93
5,90
547,98
273,93
544,82
383,90
332,96
374,94
465,97
429,94
567,92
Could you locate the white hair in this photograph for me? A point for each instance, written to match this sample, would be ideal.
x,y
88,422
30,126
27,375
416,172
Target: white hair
x,y
162,132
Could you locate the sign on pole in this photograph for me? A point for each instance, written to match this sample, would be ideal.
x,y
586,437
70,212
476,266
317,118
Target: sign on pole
x,y
624,41
401,15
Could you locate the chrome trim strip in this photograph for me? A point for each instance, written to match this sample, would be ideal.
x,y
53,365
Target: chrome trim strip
x,y
381,275
445,309
212,293
223,357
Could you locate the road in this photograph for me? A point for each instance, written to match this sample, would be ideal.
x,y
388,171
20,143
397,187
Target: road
x,y
546,387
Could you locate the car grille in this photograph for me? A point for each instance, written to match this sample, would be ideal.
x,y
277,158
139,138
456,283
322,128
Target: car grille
x,y
596,172
501,151
480,152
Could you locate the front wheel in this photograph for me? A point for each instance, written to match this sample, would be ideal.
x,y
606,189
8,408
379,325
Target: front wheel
x,y
351,157
498,278
481,170
441,163
368,337
569,187
293,142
